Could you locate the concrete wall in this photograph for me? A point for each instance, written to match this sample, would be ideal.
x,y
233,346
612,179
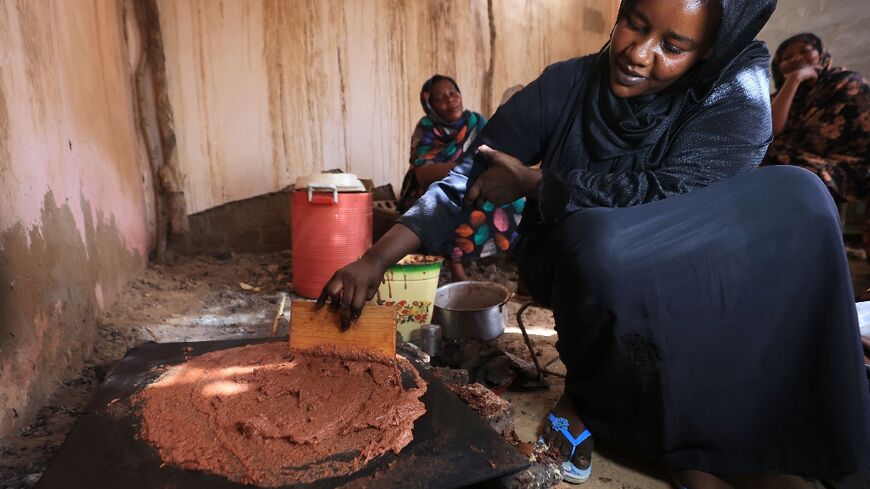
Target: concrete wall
x,y
266,90
258,224
73,223
842,25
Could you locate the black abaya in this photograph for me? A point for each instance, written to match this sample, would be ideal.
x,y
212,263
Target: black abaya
x,y
714,330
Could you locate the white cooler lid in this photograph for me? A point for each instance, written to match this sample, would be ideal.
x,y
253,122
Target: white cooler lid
x,y
343,182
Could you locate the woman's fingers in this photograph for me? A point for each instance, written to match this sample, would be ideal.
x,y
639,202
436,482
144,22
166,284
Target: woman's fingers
x,y
324,294
478,203
331,292
344,305
335,301
349,289
358,302
505,179
361,294
346,318
347,294
473,193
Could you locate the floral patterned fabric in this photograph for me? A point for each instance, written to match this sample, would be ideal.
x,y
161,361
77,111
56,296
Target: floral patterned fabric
x,y
488,231
828,130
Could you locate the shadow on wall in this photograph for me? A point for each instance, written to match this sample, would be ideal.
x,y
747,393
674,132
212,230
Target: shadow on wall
x,y
263,224
259,224
53,281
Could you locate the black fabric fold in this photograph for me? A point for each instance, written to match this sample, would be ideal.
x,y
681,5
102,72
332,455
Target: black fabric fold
x,y
615,126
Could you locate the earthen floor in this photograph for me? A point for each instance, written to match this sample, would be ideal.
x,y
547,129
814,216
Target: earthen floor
x,y
236,296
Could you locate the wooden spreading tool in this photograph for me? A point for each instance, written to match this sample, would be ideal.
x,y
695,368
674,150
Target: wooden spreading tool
x,y
375,330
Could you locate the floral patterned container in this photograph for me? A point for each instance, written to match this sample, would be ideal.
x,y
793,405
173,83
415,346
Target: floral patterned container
x,y
410,286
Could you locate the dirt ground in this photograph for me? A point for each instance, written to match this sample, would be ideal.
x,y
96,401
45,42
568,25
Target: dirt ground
x,y
195,299
236,296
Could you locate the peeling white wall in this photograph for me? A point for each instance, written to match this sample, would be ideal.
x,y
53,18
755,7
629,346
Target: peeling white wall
x,y
73,223
266,90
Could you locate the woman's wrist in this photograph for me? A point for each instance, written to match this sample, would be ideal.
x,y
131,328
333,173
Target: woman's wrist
x,y
791,83
374,258
533,183
395,244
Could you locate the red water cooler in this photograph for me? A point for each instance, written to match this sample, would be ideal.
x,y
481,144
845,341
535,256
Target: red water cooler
x,y
331,227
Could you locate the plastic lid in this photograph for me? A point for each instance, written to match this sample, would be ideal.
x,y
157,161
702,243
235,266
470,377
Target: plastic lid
x,y
343,182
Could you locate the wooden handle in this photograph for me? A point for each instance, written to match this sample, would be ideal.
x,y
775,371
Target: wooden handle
x,y
374,331
280,313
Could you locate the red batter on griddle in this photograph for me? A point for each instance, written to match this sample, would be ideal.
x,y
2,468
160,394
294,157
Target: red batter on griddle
x,y
259,415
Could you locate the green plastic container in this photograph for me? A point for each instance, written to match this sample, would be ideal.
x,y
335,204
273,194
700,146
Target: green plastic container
x,y
410,287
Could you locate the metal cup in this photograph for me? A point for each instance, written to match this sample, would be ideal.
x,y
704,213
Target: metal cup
x,y
430,338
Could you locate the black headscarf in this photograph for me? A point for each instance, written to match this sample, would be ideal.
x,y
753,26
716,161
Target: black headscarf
x,y
807,37
603,126
614,126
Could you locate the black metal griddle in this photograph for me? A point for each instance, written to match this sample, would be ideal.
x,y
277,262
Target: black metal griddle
x,y
452,446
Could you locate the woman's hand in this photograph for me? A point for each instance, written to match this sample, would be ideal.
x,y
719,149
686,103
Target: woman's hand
x,y
802,74
505,180
350,287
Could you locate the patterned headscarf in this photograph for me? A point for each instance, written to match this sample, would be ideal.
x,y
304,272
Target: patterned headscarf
x,y
439,141
807,37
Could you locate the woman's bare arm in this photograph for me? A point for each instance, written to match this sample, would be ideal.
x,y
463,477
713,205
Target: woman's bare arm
x,y
781,104
428,174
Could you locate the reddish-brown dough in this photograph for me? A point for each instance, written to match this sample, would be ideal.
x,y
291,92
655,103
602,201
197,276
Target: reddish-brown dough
x,y
259,415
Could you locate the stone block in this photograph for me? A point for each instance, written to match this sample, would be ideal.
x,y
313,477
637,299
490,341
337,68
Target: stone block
x,y
497,412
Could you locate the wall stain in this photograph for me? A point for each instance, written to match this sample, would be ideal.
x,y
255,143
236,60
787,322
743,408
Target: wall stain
x,y
593,21
5,157
490,68
273,22
212,161
50,291
343,99
32,29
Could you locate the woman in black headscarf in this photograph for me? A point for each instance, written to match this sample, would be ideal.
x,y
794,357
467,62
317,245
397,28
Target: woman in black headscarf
x,y
704,309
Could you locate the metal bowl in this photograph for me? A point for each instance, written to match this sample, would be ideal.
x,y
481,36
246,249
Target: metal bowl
x,y
471,310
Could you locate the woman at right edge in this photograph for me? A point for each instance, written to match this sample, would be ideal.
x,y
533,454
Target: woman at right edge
x,y
704,307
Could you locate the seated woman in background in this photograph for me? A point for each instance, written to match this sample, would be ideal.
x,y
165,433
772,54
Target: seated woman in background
x,y
442,140
821,117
